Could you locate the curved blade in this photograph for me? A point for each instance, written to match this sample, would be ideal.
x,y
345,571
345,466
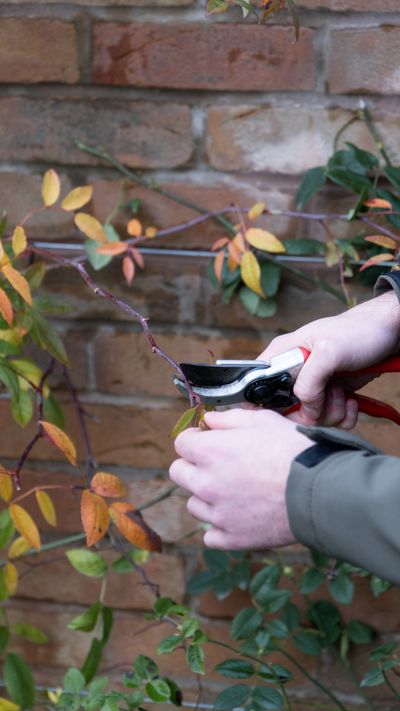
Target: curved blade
x,y
201,375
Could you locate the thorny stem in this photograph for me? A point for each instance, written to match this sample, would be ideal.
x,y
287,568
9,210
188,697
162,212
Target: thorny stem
x,y
315,681
390,685
90,461
349,669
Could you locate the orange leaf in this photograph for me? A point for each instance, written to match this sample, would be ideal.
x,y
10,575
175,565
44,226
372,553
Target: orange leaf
x,y
50,188
134,228
6,484
113,248
6,309
234,253
95,517
221,242
60,440
377,259
77,198
251,273
25,525
90,226
133,527
18,547
106,484
18,282
19,240
256,210
128,269
378,202
150,232
219,265
10,578
382,241
138,257
239,242
47,507
262,239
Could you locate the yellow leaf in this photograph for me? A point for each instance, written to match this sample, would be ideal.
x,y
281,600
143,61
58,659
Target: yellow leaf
x,y
382,241
29,371
133,527
6,705
11,578
18,282
6,309
18,547
150,232
113,248
19,241
90,226
60,440
332,253
77,198
239,242
25,525
262,239
251,273
378,202
47,507
95,517
6,484
54,695
50,188
135,228
256,210
106,484
377,259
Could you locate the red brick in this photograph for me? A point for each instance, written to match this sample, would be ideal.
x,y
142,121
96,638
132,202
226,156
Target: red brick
x,y
201,56
52,578
21,193
348,5
382,433
38,50
284,139
136,132
158,210
377,73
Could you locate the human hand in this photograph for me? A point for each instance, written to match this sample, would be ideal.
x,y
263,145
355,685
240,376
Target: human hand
x,y
355,339
237,472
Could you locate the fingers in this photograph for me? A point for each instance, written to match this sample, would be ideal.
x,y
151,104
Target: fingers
x,y
351,417
183,474
215,538
311,383
238,418
200,509
335,406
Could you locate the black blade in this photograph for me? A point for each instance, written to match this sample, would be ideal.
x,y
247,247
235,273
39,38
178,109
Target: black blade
x,y
202,376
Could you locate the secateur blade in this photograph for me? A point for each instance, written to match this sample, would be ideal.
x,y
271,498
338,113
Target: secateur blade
x,y
203,375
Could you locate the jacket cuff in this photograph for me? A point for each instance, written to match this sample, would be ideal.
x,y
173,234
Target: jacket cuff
x,y
391,280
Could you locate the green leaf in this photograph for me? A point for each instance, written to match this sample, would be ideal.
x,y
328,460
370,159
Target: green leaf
x,y
272,672
311,580
47,338
35,274
363,158
291,616
7,529
359,633
93,660
303,247
265,699
277,628
189,627
270,277
266,308
200,582
22,408
354,181
158,690
265,580
313,180
373,678
383,651
9,380
236,668
4,593
86,622
273,600
307,642
122,565
249,300
4,637
232,697
195,658
245,623
52,412
379,586
99,261
216,561
169,644
107,619
74,682
184,421
327,618
87,562
342,588
393,174
3,224
33,634
19,681
145,667
215,7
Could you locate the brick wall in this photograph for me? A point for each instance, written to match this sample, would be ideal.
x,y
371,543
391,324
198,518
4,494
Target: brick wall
x,y
216,110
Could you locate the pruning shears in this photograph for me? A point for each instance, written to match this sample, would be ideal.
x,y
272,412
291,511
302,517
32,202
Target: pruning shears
x,y
270,384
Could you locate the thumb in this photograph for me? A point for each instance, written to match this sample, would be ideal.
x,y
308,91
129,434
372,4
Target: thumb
x,y
311,384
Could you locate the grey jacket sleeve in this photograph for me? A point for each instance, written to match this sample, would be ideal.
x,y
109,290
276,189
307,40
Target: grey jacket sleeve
x,y
343,495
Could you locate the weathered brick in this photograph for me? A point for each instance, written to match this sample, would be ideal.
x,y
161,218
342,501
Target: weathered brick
x,y
348,5
52,578
38,50
377,73
285,139
158,210
382,433
200,56
21,193
136,132
116,373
